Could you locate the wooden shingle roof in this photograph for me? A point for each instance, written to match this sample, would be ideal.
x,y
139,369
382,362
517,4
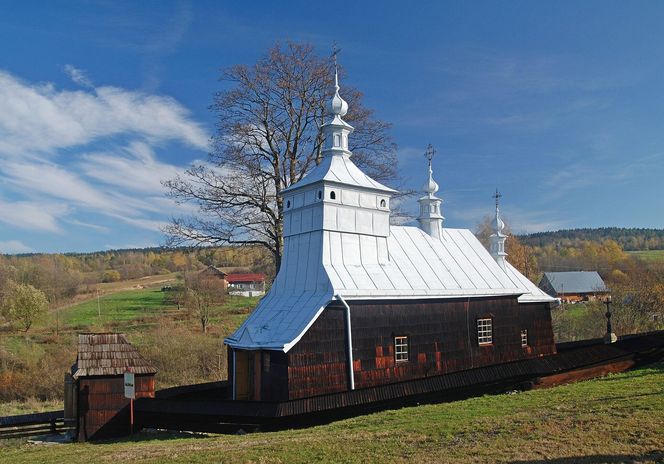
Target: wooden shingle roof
x,y
108,354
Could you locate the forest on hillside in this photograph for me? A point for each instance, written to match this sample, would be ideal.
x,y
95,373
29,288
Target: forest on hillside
x,y
60,277
629,239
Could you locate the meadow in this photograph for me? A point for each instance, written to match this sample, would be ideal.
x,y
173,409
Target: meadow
x,y
32,364
619,418
649,256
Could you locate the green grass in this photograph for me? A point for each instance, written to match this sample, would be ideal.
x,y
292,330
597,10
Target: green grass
x,y
649,256
619,418
116,307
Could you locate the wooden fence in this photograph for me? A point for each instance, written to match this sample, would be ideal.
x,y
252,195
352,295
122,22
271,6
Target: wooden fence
x,y
30,425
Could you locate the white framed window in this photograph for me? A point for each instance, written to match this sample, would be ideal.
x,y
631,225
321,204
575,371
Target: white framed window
x,y
485,331
524,338
401,349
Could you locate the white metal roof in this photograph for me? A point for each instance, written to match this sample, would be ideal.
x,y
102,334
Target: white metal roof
x,y
408,264
341,170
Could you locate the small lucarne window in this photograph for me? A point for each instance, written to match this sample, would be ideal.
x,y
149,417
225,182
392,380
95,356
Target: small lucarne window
x,y
333,195
383,203
401,349
524,337
288,204
485,331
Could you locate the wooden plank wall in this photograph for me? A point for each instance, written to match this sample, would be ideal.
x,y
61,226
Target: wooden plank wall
x,y
103,411
442,338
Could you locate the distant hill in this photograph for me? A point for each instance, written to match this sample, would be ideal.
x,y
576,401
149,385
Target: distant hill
x,y
630,239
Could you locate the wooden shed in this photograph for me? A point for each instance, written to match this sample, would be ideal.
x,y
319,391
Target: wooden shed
x,y
102,410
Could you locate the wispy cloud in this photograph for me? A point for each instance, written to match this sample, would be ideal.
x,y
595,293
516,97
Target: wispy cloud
x,y
133,167
41,216
78,76
14,246
594,171
37,118
69,156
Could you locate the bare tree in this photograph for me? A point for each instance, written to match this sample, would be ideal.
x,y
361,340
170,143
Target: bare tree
x,y
202,294
267,138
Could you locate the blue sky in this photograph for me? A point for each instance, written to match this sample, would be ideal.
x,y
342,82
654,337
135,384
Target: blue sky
x,y
559,104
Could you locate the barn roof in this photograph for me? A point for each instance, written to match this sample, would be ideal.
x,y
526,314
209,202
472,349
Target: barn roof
x,y
234,278
108,354
574,282
408,264
212,270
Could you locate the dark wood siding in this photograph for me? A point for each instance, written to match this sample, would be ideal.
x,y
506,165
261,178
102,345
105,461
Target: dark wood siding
x,y
317,363
103,411
442,338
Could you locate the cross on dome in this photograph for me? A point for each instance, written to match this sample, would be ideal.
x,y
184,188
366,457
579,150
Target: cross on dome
x,y
497,239
430,218
430,187
497,223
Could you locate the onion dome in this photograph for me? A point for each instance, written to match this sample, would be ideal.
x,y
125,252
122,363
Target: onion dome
x,y
337,106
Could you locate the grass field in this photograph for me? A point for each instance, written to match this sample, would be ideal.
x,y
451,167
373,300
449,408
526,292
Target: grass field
x,y
619,418
116,307
649,256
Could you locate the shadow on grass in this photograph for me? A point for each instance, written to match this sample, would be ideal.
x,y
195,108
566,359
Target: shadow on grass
x,y
149,435
653,456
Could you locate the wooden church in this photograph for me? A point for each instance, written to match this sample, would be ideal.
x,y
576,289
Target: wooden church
x,y
359,302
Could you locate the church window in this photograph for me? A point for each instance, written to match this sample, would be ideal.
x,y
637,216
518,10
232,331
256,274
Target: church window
x,y
320,194
383,204
288,204
337,140
333,196
485,331
401,349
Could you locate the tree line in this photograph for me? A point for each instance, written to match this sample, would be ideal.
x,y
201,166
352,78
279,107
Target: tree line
x,y
629,239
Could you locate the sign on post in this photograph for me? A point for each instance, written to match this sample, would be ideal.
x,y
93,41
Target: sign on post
x,y
130,392
129,386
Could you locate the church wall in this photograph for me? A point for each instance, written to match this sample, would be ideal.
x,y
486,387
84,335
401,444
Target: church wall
x,y
442,338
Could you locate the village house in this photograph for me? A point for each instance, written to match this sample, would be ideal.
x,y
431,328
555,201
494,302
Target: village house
x,y
359,302
572,287
252,284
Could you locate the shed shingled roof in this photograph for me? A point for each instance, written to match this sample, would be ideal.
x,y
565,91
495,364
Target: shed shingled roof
x,y
108,354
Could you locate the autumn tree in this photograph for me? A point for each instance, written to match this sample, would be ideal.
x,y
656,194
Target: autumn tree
x,y
23,304
518,255
267,138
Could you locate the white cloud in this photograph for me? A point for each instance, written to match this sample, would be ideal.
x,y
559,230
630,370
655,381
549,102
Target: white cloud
x,y
134,167
78,76
14,246
54,178
41,119
56,182
39,216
